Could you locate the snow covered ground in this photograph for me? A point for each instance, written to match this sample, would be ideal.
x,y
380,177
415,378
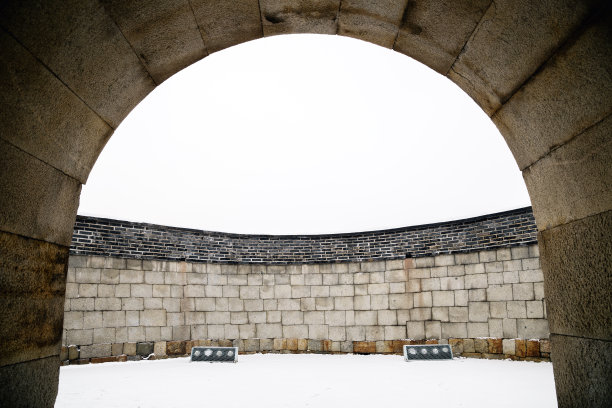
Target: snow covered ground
x,y
309,380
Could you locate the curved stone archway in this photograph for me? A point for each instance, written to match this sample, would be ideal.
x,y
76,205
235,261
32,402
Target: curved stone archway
x,y
72,70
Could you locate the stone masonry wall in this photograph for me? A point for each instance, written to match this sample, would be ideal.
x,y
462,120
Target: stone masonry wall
x,y
117,307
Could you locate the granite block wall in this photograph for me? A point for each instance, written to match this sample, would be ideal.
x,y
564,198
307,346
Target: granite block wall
x,y
116,305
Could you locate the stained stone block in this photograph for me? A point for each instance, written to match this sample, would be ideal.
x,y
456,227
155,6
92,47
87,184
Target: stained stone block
x,y
401,301
478,311
95,350
443,298
478,281
375,333
433,330
366,318
423,299
499,293
154,317
387,317
477,330
422,313
88,290
533,328
454,330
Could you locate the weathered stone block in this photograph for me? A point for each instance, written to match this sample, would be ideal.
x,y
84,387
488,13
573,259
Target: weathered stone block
x,y
531,275
175,348
433,330
461,297
342,303
495,278
306,304
457,314
395,332
366,318
509,328
522,291
378,302
535,309
430,284
398,275
374,333
468,346
79,337
355,333
415,330
95,350
511,277
495,346
294,304
516,309
478,281
401,301
153,317
440,313
478,311
478,330
257,317
82,304
533,328
253,305
499,293
452,283
387,318
481,345
291,317
443,298
107,304
378,288
364,347
423,299
362,302
421,313
113,319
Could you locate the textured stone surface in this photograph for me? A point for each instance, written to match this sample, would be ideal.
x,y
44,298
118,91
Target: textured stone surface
x,y
17,380
582,371
32,285
550,109
576,260
164,34
377,23
35,102
497,60
85,49
298,16
585,157
224,23
435,32
37,200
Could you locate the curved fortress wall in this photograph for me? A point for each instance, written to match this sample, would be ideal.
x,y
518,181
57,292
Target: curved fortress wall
x,y
136,289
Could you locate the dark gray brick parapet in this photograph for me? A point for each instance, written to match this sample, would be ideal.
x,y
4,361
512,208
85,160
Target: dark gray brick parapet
x,y
106,237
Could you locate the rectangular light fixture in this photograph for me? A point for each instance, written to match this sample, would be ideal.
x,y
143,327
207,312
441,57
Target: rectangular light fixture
x,y
428,352
214,354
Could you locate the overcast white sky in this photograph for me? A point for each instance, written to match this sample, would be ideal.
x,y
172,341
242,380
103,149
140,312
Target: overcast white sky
x,y
304,134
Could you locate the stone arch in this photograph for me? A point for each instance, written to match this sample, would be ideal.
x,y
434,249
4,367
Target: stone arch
x,y
72,70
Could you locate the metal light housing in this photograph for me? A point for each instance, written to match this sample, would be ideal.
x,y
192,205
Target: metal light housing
x,y
428,352
214,354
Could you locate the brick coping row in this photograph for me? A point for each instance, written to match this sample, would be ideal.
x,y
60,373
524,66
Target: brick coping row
x,y
125,239
484,348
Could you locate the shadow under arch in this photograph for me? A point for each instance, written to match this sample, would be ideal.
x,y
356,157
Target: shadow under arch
x,y
71,71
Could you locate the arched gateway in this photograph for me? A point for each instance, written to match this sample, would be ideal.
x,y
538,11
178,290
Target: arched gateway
x,y
70,71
